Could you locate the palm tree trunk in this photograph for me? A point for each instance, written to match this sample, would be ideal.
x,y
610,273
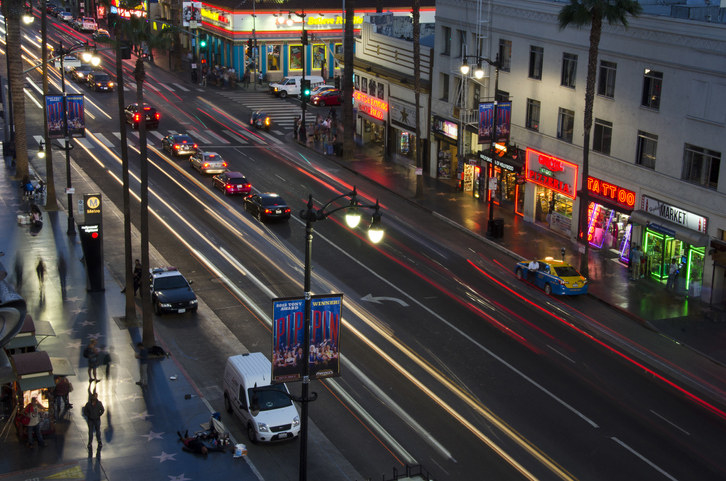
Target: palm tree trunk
x,y
348,120
417,93
13,11
51,203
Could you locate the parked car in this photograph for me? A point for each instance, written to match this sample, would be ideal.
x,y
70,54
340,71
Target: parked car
x,y
100,81
88,24
134,114
320,89
261,120
66,16
208,162
267,206
327,98
69,63
232,183
553,276
179,144
101,35
171,292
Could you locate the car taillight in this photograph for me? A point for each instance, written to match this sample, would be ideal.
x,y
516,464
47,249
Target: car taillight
x,y
224,164
287,210
248,186
205,165
268,211
110,84
157,116
228,186
177,147
137,117
195,146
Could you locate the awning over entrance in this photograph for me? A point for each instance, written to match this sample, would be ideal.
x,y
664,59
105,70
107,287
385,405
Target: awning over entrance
x,y
689,236
34,370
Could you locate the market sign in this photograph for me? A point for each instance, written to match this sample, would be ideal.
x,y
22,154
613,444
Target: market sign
x,y
613,193
674,214
370,105
552,172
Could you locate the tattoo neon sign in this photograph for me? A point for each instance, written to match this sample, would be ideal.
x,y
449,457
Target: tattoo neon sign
x,y
612,192
372,106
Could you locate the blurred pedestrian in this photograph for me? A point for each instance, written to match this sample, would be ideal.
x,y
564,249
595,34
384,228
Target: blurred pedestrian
x,y
40,271
62,271
63,388
92,411
18,272
635,256
137,276
92,353
142,355
673,274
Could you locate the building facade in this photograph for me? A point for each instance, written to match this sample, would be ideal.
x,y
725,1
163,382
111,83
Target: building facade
x,y
657,139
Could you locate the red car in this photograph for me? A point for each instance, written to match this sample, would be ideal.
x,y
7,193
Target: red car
x,y
232,183
327,98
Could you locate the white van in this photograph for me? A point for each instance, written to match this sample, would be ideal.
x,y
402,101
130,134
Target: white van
x,y
291,85
88,24
265,409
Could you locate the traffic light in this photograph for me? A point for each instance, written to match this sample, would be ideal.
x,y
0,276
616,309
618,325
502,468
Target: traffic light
x,y
305,90
202,40
249,42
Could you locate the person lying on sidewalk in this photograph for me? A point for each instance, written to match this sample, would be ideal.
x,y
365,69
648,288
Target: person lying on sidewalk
x,y
194,445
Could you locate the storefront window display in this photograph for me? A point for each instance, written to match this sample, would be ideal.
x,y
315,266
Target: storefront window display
x,y
446,163
273,58
405,144
553,207
661,249
296,53
318,56
606,227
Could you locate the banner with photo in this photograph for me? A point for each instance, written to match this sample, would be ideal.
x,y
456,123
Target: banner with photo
x,y
57,123
486,120
191,12
288,323
76,115
55,120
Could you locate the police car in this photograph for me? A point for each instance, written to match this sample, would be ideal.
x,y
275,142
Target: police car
x,y
553,277
171,292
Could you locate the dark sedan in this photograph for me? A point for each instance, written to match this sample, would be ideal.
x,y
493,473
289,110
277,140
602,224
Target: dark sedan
x,y
232,183
267,206
179,144
100,81
134,114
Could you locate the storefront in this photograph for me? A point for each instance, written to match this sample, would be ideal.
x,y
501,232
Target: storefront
x,y
671,234
371,115
508,171
555,182
402,131
446,135
33,379
608,217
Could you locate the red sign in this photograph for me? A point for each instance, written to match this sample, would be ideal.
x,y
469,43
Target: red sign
x,y
552,172
612,192
372,106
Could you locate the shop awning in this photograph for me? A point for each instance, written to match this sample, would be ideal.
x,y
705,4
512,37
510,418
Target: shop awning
x,y
688,236
36,382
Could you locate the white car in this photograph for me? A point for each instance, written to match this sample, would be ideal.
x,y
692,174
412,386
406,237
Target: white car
x,y
66,16
208,163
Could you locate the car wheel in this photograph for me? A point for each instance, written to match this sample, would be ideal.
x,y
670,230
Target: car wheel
x,y
227,404
548,289
519,273
251,434
259,215
283,94
157,308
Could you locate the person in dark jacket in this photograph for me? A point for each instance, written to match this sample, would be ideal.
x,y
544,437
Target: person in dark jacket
x,y
93,410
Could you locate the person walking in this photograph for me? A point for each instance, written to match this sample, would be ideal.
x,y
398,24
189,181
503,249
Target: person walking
x,y
143,356
92,353
673,274
40,270
62,271
32,412
635,256
92,411
63,388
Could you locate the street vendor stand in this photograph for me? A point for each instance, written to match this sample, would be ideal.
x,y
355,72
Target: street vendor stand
x,y
33,379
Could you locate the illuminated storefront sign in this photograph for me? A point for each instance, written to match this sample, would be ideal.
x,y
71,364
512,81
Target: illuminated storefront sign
x,y
215,16
137,11
372,106
674,214
552,172
611,192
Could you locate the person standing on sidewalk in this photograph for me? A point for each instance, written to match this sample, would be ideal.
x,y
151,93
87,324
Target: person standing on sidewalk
x,y
143,356
40,270
635,256
92,353
32,412
93,410
62,388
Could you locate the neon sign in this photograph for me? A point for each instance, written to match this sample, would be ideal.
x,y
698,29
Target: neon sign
x,y
372,106
612,192
552,172
215,16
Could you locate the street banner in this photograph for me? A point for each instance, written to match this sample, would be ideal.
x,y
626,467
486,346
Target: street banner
x,y
486,120
288,323
191,13
76,115
57,123
55,120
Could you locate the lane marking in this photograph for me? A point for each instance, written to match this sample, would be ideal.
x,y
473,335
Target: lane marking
x,y
671,423
643,458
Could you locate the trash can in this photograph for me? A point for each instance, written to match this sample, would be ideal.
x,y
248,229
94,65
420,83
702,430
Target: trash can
x,y
496,228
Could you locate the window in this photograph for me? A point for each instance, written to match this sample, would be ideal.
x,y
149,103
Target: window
x,y
459,92
462,42
318,56
700,166
536,54
296,52
606,84
569,70
339,51
381,91
476,91
602,136
647,144
565,124
446,36
533,108
444,87
273,58
364,85
652,83
505,54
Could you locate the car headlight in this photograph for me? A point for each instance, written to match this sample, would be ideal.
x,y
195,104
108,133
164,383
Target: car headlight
x,y
193,301
296,421
165,304
262,427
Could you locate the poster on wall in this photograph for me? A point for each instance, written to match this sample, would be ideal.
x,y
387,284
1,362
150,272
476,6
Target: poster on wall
x,y
486,120
191,12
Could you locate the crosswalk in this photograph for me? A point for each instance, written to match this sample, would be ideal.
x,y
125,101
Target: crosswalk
x,y
283,113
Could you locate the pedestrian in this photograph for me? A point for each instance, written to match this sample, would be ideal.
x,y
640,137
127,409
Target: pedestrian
x,y
532,269
92,411
137,277
322,69
246,78
143,356
62,271
673,274
92,353
40,270
63,388
205,74
635,256
295,130
18,272
32,414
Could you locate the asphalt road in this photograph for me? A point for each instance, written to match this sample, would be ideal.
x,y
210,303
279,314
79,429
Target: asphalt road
x,y
458,366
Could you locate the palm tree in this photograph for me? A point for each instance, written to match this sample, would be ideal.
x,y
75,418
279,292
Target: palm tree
x,y
13,10
417,90
348,120
592,12
51,203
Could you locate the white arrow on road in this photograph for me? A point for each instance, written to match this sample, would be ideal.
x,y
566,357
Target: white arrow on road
x,y
378,300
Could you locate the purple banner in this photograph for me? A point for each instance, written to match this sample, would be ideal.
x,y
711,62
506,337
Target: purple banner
x,y
288,325
76,115
486,121
55,120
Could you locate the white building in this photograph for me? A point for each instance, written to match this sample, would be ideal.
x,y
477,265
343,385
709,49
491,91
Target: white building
x,y
658,136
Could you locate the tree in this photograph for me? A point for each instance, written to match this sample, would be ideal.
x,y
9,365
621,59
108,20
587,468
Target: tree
x,y
51,203
348,120
417,92
13,11
581,13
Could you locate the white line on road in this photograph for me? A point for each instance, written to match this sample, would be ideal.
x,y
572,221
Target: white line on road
x,y
561,354
643,458
671,423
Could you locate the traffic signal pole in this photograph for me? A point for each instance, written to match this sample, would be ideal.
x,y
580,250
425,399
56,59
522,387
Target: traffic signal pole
x,y
303,82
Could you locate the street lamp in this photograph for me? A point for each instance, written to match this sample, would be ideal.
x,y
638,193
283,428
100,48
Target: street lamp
x,y
88,56
375,234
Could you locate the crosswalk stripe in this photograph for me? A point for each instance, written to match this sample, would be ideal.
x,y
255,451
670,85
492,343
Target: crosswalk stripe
x,y
199,137
217,137
103,140
236,136
181,87
167,87
85,143
155,133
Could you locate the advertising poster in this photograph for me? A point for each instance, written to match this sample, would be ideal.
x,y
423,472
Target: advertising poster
x,y
486,120
55,118
288,322
191,12
76,115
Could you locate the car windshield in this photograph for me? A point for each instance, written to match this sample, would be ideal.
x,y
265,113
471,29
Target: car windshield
x,y
101,78
170,282
183,139
268,397
566,271
236,180
272,201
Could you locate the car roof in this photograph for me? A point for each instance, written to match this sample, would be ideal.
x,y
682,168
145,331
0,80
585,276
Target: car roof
x,y
270,195
211,154
234,174
168,271
180,136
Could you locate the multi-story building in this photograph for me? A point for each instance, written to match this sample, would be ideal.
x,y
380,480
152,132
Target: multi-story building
x,y
658,135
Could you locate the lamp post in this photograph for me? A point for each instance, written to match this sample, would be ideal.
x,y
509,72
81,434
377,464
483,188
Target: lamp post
x,y
375,234
87,56
491,229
